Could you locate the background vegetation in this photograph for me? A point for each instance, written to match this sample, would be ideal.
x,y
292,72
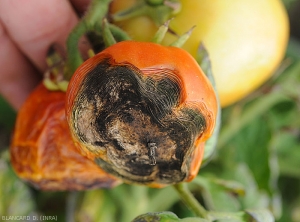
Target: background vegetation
x,y
256,165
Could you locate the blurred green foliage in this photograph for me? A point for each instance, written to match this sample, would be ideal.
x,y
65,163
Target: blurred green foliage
x,y
255,170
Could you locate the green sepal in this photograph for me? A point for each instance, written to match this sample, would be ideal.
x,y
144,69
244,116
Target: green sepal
x,y
205,64
108,37
161,32
158,11
183,38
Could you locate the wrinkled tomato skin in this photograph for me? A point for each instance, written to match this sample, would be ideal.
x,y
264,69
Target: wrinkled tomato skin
x,y
150,56
42,150
145,55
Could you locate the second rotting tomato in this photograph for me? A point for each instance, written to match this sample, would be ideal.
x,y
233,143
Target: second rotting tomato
x,y
246,39
42,150
142,111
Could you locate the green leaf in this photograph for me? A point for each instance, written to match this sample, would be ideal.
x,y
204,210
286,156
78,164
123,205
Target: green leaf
x,y
96,206
242,118
227,216
288,3
260,215
14,193
8,115
287,146
284,114
230,185
166,216
193,219
162,199
251,147
217,195
130,200
254,197
204,62
157,217
293,49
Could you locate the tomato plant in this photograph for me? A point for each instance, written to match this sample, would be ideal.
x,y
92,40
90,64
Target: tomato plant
x,y
246,40
252,176
144,112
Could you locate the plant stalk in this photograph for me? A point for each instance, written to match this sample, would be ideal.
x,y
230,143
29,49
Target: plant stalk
x,y
71,206
191,202
97,11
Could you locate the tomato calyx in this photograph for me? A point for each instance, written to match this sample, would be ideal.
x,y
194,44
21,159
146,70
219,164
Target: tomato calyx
x,y
92,29
96,27
96,24
158,10
54,76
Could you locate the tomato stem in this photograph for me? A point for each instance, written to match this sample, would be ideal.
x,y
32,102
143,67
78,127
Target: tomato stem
x,y
188,198
93,21
72,197
97,11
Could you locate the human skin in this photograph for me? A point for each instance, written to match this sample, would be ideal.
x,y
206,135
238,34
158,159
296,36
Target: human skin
x,y
27,30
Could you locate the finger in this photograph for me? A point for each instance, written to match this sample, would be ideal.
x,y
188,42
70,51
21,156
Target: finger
x,y
18,76
80,6
34,25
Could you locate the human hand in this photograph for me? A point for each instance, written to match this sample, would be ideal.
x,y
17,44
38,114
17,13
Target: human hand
x,y
27,29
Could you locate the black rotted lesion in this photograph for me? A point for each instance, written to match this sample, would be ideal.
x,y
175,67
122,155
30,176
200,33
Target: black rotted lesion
x,y
122,89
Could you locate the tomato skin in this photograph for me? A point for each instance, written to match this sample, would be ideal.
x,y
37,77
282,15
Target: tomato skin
x,y
145,55
42,150
145,62
246,40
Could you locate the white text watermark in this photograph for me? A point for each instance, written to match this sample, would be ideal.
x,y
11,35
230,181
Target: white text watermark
x,y
29,218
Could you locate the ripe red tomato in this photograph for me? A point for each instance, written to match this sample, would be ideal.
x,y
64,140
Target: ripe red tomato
x,y
142,111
